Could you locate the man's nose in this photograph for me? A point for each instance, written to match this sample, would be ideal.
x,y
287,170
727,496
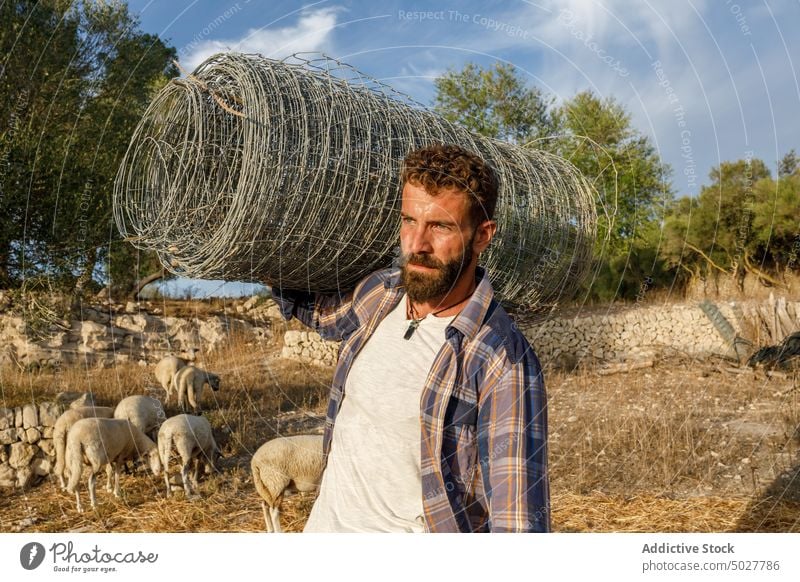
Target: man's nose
x,y
419,241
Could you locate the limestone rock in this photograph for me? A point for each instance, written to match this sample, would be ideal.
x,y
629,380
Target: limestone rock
x,y
291,338
21,454
25,476
49,413
96,316
90,328
140,322
8,476
8,436
273,312
6,418
57,340
32,435
262,333
30,416
217,330
181,333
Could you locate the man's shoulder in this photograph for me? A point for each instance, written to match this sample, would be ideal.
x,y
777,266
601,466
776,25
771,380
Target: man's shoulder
x,y
379,279
500,333
371,289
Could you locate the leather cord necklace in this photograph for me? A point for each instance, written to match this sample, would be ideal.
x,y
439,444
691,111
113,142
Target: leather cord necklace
x,y
414,324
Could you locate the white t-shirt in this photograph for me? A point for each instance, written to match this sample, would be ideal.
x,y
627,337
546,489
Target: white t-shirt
x,y
372,481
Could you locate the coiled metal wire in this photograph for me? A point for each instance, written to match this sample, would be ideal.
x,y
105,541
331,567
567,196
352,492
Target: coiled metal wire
x,y
288,172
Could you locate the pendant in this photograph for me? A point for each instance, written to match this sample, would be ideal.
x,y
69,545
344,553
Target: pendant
x,y
412,327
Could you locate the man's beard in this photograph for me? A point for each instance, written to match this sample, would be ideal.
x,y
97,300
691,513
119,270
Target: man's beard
x,y
423,287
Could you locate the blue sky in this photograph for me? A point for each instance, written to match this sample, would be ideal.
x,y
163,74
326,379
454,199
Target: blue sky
x,y
707,81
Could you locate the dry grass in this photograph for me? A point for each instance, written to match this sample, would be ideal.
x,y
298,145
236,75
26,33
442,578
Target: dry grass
x,y
683,429
644,513
680,447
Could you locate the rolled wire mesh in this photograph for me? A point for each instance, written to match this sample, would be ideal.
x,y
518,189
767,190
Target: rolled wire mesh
x,y
288,172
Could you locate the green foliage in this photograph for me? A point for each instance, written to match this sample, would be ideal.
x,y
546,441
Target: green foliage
x,y
596,135
776,220
598,138
743,222
76,80
493,102
126,265
789,164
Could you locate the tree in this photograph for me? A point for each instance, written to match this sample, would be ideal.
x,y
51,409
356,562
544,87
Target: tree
x,y
494,102
631,181
721,228
39,86
84,74
789,164
129,269
594,134
775,222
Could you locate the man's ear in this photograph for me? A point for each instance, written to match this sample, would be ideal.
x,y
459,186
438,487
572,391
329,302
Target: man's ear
x,y
483,235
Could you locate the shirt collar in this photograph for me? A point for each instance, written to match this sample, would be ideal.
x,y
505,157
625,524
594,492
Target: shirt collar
x,y
469,320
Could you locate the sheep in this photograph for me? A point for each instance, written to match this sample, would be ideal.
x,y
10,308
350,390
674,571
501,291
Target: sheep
x,y
165,372
194,441
285,464
144,412
190,380
62,426
105,441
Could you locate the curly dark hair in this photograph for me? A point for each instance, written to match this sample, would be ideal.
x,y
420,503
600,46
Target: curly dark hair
x,y
451,167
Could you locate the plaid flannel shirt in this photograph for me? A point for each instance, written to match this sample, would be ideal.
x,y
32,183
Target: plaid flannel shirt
x,y
483,409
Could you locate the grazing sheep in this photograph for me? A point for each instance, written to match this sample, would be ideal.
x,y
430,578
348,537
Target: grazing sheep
x,y
165,372
285,464
144,412
190,380
191,435
62,426
105,441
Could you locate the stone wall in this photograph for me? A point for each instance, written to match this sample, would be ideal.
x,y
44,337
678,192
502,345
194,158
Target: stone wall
x,y
308,346
112,334
632,334
628,334
26,443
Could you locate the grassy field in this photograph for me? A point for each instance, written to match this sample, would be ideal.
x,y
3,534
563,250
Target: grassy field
x,y
684,446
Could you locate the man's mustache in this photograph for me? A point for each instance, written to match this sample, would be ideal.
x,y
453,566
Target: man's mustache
x,y
422,260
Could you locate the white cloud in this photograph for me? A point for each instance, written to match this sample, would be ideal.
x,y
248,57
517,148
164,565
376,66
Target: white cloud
x,y
311,33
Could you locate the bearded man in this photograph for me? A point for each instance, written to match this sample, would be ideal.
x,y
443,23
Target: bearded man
x,y
437,416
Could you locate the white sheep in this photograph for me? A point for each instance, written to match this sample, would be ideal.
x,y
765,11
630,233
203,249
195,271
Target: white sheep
x,y
62,426
285,464
105,441
165,372
192,437
189,381
146,413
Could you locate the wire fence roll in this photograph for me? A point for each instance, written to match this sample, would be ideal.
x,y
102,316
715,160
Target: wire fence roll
x,y
288,173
